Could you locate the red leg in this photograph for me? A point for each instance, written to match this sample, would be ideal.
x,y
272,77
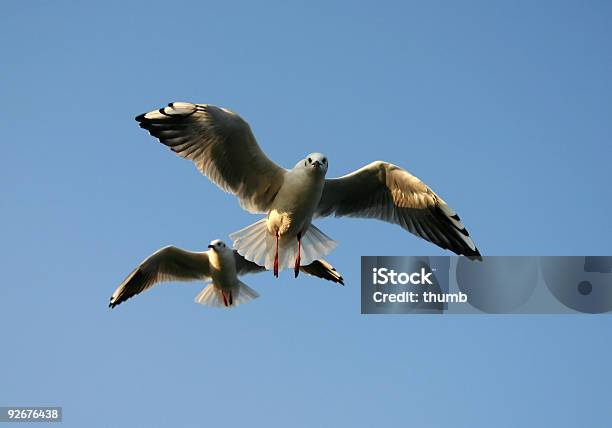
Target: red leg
x,y
224,299
276,257
296,266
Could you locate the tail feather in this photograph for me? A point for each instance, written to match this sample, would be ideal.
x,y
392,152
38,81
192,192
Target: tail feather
x,y
243,294
212,296
251,238
316,244
256,244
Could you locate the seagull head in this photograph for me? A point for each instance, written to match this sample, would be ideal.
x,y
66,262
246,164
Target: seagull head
x,y
315,162
217,245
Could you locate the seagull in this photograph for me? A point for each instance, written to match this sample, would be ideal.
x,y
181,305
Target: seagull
x,y
220,264
223,148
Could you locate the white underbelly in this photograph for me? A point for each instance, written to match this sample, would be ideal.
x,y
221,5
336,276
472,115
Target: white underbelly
x,y
294,206
223,272
223,280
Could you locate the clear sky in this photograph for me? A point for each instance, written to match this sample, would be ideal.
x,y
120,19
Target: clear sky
x,y
503,108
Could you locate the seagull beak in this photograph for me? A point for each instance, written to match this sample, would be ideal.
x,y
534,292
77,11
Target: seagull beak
x,y
212,247
317,164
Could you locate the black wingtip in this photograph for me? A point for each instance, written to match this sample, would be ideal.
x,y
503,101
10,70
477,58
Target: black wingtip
x,y
113,303
140,118
475,255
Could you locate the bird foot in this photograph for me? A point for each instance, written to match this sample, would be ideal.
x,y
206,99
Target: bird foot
x,y
296,266
276,258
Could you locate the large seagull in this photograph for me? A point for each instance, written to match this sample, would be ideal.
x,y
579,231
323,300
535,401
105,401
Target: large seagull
x,y
223,148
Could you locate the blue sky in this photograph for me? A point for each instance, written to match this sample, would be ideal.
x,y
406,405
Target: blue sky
x,y
503,108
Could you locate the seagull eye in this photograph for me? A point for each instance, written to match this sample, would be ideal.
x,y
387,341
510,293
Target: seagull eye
x,y
324,160
309,160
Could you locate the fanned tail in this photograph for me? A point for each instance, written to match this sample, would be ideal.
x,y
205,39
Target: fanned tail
x,y
244,294
256,244
213,296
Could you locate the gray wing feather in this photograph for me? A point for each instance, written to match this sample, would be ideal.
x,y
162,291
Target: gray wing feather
x,y
223,148
167,264
389,193
244,266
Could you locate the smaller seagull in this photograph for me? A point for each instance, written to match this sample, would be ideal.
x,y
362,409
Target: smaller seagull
x,y
220,264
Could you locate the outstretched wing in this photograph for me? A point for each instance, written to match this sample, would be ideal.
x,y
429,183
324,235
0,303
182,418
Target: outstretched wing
x,y
223,148
387,192
318,268
244,266
168,264
324,270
